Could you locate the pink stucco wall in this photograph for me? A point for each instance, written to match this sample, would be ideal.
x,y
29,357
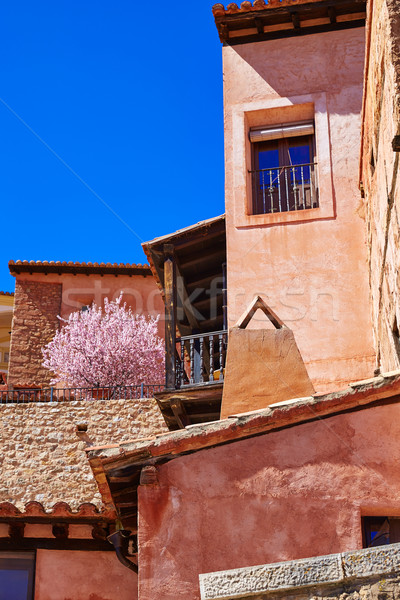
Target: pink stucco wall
x,y
309,266
140,293
288,494
40,298
79,575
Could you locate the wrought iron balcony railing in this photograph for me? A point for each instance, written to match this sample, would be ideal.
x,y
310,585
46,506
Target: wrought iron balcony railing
x,y
201,358
285,189
53,394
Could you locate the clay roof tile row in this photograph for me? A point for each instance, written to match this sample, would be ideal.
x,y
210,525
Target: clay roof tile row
x,y
239,426
76,264
219,10
52,266
59,509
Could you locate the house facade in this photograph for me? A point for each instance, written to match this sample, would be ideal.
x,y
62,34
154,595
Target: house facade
x,y
45,291
299,498
295,234
290,494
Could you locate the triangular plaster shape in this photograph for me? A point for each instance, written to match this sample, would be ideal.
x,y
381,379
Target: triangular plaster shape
x,y
255,304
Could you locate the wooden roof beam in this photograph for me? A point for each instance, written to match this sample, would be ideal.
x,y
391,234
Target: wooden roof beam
x,y
180,414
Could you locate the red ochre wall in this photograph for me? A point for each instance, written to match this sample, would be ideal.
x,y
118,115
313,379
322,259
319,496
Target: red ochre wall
x,y
78,575
40,298
290,494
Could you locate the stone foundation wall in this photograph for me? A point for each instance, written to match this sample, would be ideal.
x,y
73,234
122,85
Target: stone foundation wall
x,y
42,457
34,324
381,175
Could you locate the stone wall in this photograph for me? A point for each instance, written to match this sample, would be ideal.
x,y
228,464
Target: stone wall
x,y
380,175
368,574
42,457
34,324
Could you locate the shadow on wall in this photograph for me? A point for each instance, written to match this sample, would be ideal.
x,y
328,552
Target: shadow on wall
x,y
301,68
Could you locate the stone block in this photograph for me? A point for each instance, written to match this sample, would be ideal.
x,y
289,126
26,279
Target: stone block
x,y
333,573
283,576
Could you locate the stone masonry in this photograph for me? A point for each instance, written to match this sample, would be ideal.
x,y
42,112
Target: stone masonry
x,y
380,175
368,574
42,456
34,324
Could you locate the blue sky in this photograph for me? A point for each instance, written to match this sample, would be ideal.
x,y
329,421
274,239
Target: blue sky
x,y
129,95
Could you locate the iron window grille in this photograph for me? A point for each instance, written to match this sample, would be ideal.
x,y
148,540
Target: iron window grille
x,y
284,173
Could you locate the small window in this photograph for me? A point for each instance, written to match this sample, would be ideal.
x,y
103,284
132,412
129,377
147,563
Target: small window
x,y
6,357
379,531
284,168
16,575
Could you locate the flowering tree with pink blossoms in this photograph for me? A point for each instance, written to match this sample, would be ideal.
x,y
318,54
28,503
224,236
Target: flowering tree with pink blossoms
x,y
110,347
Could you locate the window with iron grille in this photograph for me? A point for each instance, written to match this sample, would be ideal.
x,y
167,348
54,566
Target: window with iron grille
x,y
284,168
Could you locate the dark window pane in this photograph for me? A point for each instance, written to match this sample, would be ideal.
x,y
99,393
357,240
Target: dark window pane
x,y
16,575
299,155
14,584
268,159
377,531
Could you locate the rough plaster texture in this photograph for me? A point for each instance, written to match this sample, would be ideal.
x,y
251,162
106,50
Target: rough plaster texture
x,y
262,367
310,572
40,298
77,575
36,306
313,272
381,174
42,458
284,495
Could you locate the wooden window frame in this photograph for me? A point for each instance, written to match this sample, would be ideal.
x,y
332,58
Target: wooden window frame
x,y
283,145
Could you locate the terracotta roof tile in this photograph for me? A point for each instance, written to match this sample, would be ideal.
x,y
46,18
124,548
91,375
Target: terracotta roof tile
x,y
262,19
59,267
239,426
137,454
85,511
245,7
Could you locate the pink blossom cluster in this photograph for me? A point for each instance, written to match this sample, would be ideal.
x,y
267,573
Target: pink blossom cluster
x,y
110,347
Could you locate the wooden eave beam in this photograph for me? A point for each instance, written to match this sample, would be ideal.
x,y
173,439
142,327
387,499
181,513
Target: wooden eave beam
x,y
49,519
180,414
22,544
226,24
121,478
202,263
124,491
182,238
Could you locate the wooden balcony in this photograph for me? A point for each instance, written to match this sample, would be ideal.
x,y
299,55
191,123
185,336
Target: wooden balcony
x,y
189,266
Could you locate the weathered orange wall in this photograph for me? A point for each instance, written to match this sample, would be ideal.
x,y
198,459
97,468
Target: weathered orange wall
x,y
35,315
289,494
312,272
381,173
78,575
